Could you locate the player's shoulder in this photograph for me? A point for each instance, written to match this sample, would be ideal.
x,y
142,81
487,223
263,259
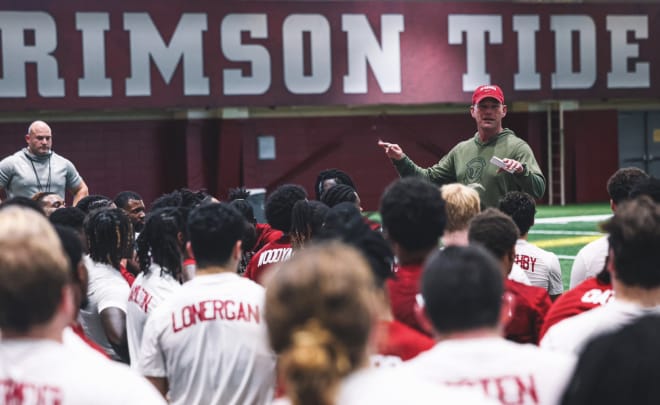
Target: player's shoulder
x,y
595,246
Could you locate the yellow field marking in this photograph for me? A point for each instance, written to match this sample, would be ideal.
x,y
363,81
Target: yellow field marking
x,y
576,240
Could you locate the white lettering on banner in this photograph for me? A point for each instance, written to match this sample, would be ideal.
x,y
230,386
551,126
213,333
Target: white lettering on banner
x,y
234,81
620,77
307,50
94,82
147,44
293,30
16,54
363,48
475,28
564,76
527,77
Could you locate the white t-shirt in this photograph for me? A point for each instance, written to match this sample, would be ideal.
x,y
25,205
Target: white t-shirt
x,y
396,387
107,289
518,274
510,372
589,260
541,267
209,340
74,342
147,293
47,372
572,334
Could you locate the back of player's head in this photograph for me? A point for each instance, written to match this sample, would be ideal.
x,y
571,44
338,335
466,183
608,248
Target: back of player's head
x,y
413,213
110,236
521,207
338,194
345,223
68,216
622,181
245,208
33,269
462,288
91,202
121,199
320,310
161,241
634,236
214,230
72,246
622,367
24,202
462,204
280,203
238,193
183,197
649,186
495,231
334,176
306,221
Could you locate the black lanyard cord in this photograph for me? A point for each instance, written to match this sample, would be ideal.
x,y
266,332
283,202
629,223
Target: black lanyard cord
x,y
36,175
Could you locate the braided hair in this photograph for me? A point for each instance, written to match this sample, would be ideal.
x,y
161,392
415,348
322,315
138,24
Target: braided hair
x,y
338,194
109,236
159,242
337,175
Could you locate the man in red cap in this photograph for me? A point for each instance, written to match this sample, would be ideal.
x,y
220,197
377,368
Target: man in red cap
x,y
472,162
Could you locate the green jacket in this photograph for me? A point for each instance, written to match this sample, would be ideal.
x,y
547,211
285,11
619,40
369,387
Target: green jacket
x,y
469,163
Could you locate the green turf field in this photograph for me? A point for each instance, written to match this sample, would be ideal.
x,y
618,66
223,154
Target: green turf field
x,y
566,239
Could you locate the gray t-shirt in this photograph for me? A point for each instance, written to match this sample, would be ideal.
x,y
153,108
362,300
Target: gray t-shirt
x,y
25,174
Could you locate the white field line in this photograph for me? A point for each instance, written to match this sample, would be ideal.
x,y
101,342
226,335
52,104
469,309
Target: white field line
x,y
566,220
566,257
549,232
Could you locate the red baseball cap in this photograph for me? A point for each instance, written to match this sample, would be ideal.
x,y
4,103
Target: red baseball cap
x,y
487,91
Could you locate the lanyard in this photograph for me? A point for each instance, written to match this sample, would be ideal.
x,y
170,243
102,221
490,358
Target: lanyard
x,y
40,188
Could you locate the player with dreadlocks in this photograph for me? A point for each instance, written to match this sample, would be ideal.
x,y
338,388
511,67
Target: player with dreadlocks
x,y
278,213
265,234
329,178
110,239
160,252
306,221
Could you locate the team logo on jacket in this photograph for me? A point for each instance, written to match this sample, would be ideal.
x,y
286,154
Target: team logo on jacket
x,y
475,168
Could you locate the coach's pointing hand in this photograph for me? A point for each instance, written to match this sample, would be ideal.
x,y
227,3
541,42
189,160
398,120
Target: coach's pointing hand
x,y
392,150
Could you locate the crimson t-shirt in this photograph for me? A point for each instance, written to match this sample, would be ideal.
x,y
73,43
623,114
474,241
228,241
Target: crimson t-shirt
x,y
272,253
402,289
401,341
587,295
529,308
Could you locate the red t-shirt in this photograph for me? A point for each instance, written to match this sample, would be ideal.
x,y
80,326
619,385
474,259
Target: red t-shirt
x,y
401,341
530,306
587,295
272,253
402,289
265,235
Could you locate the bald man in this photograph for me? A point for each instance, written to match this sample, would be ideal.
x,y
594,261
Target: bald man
x,y
36,168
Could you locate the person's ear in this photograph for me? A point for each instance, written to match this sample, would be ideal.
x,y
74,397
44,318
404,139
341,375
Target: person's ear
x,y
504,110
421,316
611,268
237,252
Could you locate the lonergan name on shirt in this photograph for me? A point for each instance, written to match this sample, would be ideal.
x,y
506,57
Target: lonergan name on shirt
x,y
211,310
